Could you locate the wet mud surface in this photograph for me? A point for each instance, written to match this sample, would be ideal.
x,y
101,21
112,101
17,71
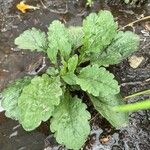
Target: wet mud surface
x,y
13,137
15,64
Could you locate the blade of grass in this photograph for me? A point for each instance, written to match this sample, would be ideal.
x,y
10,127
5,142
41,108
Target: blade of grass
x,y
137,94
133,107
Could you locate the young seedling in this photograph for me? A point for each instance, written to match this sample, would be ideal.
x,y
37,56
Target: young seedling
x,y
78,56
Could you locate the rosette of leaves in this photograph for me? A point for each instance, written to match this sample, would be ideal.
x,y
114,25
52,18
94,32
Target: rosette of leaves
x,y
79,56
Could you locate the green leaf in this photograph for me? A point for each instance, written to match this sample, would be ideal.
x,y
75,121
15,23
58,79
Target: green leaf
x,y
97,81
10,97
99,31
126,1
105,105
89,3
70,78
124,44
72,63
76,36
38,101
63,67
70,122
33,39
52,71
58,41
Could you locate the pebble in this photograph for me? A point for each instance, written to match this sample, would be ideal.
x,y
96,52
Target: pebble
x,y
135,61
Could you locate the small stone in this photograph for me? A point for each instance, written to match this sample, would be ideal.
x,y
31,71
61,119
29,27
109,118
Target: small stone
x,y
105,139
135,61
145,33
1,109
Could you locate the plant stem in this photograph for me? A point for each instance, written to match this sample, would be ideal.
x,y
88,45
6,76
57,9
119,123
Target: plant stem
x,y
133,107
131,23
137,94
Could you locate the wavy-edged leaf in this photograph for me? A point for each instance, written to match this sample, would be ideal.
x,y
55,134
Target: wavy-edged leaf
x,y
70,78
97,81
52,71
38,101
99,31
72,63
70,122
75,36
68,75
33,39
105,105
124,44
58,41
63,67
10,97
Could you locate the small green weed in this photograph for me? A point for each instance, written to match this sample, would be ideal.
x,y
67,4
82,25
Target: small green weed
x,y
79,56
89,3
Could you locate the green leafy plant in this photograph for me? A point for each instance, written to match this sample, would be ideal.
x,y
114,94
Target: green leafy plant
x,y
78,56
89,2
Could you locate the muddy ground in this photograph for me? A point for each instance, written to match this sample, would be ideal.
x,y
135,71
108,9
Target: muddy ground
x,y
15,63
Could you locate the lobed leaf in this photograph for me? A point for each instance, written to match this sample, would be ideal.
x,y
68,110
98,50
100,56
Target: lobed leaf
x,y
52,71
58,41
63,67
38,101
33,39
123,45
99,31
70,122
72,63
68,75
76,36
10,97
97,81
70,78
105,105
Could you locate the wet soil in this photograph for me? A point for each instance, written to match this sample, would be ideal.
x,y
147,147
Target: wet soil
x,y
15,64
